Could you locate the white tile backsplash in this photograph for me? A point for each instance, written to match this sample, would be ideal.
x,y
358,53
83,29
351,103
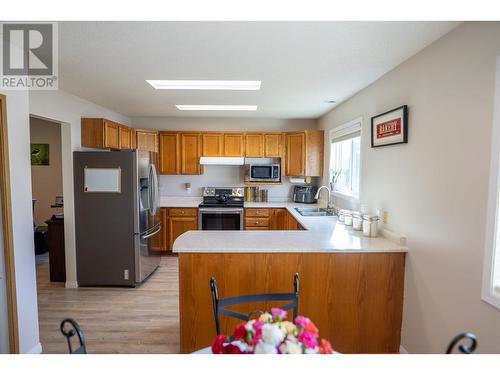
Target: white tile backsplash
x,y
217,175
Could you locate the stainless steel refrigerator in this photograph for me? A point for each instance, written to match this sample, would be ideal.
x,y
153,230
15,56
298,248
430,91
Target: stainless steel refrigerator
x,y
116,221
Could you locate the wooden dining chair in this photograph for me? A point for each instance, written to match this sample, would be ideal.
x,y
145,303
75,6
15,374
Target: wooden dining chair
x,y
70,328
219,305
462,348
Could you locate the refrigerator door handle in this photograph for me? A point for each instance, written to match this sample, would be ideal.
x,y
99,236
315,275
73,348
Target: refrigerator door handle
x,y
144,237
152,190
156,188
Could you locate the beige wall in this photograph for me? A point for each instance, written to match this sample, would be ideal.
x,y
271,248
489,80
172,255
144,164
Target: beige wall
x,y
222,124
46,180
435,187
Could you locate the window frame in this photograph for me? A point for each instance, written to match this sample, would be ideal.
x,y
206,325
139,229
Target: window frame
x,y
343,130
492,220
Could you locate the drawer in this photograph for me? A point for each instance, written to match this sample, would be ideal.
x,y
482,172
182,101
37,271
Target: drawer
x,y
183,212
256,222
256,228
257,212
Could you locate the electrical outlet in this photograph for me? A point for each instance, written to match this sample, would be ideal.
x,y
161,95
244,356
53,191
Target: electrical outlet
x,y
125,274
385,217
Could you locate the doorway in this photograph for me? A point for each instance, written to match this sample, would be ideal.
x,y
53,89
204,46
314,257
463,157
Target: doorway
x,y
48,205
47,196
9,339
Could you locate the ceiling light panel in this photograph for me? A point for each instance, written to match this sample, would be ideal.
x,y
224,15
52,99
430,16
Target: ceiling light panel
x,y
210,107
203,85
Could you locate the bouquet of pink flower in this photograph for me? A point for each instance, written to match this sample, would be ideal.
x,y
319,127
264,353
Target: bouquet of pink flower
x,y
273,334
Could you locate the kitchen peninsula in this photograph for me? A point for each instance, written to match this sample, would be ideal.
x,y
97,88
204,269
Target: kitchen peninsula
x,y
351,286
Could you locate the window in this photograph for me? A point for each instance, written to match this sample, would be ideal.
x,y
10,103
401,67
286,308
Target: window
x,y
491,271
345,159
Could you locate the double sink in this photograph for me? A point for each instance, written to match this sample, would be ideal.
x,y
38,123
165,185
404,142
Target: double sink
x,y
315,211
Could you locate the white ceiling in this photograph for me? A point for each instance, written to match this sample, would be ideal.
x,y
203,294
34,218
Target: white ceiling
x,y
300,64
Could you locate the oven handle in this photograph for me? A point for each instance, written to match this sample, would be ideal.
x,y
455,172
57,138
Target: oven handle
x,y
222,210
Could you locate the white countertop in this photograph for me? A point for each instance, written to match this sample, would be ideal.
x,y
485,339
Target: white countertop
x,y
322,234
180,201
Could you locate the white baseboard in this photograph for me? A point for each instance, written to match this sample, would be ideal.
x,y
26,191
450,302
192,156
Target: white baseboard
x,y
37,349
402,350
71,284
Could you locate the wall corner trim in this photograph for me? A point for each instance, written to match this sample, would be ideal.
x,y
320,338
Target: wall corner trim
x,y
71,284
37,349
402,350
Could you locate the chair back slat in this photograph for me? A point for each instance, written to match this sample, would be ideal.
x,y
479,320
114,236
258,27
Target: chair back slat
x,y
256,298
462,348
220,304
70,328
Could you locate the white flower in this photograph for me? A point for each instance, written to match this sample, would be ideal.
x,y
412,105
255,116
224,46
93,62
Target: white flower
x,y
271,334
311,351
263,348
242,345
289,347
266,317
249,326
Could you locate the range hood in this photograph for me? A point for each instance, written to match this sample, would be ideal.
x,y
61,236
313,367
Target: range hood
x,y
221,161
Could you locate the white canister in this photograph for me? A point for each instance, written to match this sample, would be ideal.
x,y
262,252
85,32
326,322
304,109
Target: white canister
x,y
348,218
357,220
370,225
342,215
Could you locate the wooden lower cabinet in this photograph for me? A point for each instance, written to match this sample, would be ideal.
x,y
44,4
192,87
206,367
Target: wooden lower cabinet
x,y
257,218
355,299
159,243
270,219
278,219
180,220
174,222
291,223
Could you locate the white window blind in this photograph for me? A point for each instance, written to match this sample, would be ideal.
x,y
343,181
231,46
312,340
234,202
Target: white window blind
x,y
345,158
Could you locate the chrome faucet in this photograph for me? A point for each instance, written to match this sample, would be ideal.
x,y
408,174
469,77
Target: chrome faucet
x,y
328,205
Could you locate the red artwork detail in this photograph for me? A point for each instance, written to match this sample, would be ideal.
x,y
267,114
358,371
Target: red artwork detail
x,y
389,128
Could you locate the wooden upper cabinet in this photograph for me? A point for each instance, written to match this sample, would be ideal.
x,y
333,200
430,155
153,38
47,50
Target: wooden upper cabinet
x,y
111,134
146,140
125,137
234,144
102,133
273,145
190,153
254,145
212,144
169,153
295,154
304,153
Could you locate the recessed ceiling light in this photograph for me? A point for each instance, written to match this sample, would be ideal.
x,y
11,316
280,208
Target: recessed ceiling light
x,y
203,85
210,107
330,101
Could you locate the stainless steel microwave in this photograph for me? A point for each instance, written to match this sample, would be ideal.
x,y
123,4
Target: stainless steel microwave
x,y
262,172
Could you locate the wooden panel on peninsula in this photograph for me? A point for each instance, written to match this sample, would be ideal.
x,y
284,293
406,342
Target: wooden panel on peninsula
x,y
355,299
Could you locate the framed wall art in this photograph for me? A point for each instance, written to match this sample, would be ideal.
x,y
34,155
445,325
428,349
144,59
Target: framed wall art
x,y
391,127
40,154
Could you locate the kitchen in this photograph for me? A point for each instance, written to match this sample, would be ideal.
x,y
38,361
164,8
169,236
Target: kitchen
x,y
188,226
357,194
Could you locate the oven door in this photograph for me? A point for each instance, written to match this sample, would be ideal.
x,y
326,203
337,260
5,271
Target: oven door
x,y
220,218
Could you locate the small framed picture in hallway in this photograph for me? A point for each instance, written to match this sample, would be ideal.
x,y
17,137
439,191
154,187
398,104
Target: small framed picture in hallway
x,y
40,154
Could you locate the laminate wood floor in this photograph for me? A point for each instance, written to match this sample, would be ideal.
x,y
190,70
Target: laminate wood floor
x,y
114,320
